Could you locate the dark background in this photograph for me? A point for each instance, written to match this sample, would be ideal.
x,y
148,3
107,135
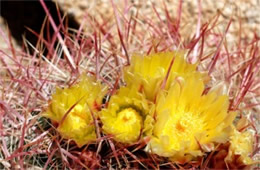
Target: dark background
x,y
20,14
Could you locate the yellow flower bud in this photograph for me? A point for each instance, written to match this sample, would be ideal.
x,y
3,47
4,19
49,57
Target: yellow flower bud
x,y
127,116
72,109
241,144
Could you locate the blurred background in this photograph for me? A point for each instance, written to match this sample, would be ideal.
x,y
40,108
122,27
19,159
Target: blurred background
x,y
20,15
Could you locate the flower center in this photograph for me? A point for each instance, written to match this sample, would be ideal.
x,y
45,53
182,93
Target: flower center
x,y
128,115
182,126
78,116
78,111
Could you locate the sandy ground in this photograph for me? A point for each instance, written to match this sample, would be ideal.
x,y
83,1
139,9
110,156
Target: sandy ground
x,y
246,11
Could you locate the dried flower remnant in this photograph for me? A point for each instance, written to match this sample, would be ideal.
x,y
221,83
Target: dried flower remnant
x,y
189,122
72,109
128,115
148,72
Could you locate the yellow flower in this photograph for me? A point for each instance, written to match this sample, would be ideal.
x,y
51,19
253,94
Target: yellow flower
x,y
187,120
148,72
128,116
71,108
241,144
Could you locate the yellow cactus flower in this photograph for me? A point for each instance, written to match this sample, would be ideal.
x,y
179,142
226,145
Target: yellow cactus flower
x,y
128,116
188,120
71,108
148,72
241,144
